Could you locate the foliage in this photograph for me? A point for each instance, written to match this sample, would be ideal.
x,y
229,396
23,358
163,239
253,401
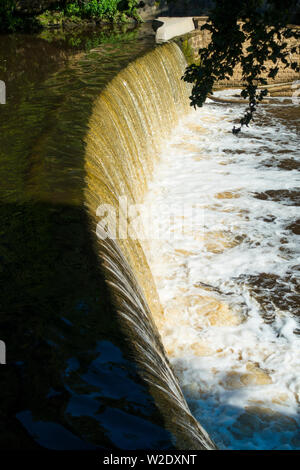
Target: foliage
x,y
248,33
100,8
93,8
187,50
76,10
8,20
11,20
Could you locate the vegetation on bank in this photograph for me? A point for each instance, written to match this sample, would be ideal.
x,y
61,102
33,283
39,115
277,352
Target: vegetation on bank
x,y
251,35
67,13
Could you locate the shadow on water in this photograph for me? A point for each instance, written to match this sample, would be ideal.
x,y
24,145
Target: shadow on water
x,y
69,381
56,320
252,428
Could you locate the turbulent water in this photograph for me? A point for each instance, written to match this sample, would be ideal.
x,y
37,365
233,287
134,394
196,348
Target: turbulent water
x,y
227,272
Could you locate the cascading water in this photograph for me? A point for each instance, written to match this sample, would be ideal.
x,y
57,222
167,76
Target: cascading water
x,y
137,110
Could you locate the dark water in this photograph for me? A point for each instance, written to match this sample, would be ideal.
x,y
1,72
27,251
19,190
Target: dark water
x,y
69,381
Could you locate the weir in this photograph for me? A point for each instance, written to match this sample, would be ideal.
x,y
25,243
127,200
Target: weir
x,y
128,343
120,342
130,120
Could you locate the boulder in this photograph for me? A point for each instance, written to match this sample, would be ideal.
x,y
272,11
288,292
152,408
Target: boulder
x,y
168,28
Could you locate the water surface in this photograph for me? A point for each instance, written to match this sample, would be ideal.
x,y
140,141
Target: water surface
x,y
226,266
66,354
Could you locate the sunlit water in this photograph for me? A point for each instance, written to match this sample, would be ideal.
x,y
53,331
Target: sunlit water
x,y
229,285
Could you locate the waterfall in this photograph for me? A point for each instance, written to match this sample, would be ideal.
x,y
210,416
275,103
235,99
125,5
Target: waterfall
x,y
130,121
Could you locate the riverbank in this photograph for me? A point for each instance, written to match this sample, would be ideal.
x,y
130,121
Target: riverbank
x,y
15,17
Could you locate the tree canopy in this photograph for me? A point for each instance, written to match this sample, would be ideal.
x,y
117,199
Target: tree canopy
x,y
250,34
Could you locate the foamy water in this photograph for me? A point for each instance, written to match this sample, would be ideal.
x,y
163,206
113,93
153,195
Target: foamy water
x,y
229,286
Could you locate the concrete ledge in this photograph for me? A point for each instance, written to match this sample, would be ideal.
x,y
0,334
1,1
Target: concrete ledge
x,y
172,27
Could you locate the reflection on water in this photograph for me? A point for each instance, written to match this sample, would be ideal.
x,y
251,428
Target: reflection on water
x,y
65,385
51,86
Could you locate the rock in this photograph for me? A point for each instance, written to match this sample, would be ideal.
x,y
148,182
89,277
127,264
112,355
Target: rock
x,y
253,377
172,27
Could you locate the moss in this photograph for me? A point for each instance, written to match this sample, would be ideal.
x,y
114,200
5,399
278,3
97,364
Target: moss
x,y
184,44
188,51
49,18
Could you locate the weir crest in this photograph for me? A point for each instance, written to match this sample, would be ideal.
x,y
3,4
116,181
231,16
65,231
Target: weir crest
x,y
130,121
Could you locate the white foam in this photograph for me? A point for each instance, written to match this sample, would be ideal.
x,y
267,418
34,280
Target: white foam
x,y
240,374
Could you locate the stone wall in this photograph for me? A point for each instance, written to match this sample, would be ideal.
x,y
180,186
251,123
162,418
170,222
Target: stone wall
x,y
198,39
